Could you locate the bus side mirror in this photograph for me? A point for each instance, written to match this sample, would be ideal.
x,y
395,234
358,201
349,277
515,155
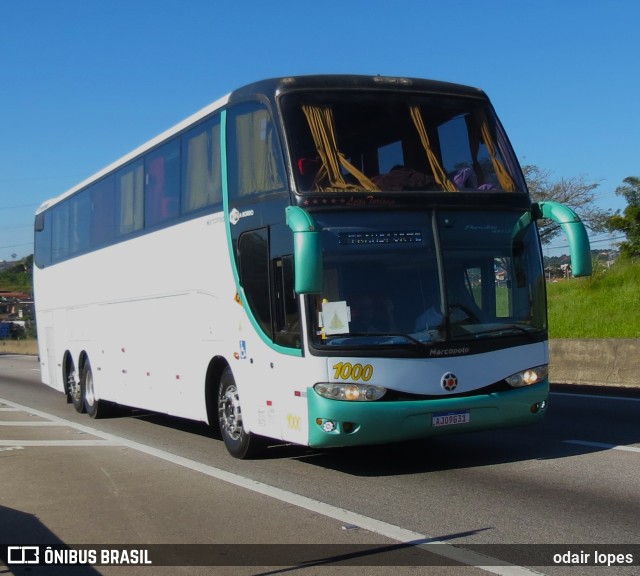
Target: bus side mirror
x,y
573,229
307,251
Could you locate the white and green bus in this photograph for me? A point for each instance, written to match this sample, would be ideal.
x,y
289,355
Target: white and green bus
x,y
321,260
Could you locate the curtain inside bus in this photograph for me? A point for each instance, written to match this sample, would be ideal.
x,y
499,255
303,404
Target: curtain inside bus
x,y
202,184
438,173
322,128
254,158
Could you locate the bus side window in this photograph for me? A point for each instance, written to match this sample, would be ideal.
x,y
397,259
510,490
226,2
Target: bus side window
x,y
129,199
254,155
253,249
287,317
60,232
79,222
201,172
103,211
162,185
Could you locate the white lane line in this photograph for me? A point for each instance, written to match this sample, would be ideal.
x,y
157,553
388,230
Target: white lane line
x,y
5,409
58,443
597,397
30,423
432,545
602,445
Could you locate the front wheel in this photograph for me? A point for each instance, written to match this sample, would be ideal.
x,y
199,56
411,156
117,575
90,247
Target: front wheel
x,y
239,442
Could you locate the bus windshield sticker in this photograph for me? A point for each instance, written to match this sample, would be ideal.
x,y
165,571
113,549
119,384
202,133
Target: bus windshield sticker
x,y
335,318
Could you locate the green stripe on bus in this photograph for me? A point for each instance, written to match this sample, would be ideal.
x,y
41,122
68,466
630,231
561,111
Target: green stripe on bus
x,y
236,276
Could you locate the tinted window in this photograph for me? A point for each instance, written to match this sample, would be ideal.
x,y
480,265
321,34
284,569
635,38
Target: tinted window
x,y
103,211
254,275
79,222
60,232
368,141
201,174
129,197
162,184
254,156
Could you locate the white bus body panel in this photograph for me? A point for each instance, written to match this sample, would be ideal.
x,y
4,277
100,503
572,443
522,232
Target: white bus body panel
x,y
150,313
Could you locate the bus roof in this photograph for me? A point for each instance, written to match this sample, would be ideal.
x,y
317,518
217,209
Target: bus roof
x,y
353,82
276,86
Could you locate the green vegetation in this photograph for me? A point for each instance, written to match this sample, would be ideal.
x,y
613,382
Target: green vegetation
x,y
605,305
629,221
16,277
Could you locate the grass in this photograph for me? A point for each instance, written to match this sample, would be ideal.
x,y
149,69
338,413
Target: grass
x,y
605,305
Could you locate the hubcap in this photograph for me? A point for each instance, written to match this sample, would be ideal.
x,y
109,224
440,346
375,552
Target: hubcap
x,y
230,413
88,388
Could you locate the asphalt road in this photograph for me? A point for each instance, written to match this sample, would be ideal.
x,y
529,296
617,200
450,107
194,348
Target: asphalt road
x,y
526,495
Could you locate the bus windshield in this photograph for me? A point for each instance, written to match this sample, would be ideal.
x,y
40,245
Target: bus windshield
x,y
407,278
377,141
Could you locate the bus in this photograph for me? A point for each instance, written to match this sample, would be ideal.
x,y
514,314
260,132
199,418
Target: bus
x,y
318,260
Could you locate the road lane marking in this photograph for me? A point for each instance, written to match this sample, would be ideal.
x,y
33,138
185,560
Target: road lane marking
x,y
31,423
432,545
602,445
597,397
58,443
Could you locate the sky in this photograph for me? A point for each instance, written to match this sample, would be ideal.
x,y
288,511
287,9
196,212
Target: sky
x,y
83,82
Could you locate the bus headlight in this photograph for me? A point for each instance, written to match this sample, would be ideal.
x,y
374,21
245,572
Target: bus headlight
x,y
528,377
351,392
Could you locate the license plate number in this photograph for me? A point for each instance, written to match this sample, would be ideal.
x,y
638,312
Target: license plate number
x,y
451,418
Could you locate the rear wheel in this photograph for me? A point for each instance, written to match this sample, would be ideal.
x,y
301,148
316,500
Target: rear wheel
x,y
239,442
94,407
74,390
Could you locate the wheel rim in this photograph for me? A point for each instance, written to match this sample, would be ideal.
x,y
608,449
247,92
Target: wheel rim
x,y
230,413
88,388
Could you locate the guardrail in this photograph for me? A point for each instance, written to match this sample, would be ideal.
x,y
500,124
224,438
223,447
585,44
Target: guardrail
x,y
19,347
599,362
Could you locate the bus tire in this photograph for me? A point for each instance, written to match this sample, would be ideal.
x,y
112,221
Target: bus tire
x,y
239,443
74,389
93,406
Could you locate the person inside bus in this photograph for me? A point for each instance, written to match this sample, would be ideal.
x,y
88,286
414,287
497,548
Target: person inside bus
x,y
430,319
401,178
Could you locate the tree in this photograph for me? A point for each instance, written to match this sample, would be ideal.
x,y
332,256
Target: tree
x,y
629,221
575,193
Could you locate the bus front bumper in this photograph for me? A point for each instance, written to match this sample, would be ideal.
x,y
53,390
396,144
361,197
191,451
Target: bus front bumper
x,y
343,423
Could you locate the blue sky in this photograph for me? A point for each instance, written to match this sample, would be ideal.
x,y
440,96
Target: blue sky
x,y
83,82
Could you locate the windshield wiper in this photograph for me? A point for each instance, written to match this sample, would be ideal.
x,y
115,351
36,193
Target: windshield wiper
x,y
504,330
410,339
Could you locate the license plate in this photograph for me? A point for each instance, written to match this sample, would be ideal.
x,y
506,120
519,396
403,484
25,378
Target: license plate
x,y
451,418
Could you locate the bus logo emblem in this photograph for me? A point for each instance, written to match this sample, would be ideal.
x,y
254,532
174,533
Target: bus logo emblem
x,y
235,215
449,382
